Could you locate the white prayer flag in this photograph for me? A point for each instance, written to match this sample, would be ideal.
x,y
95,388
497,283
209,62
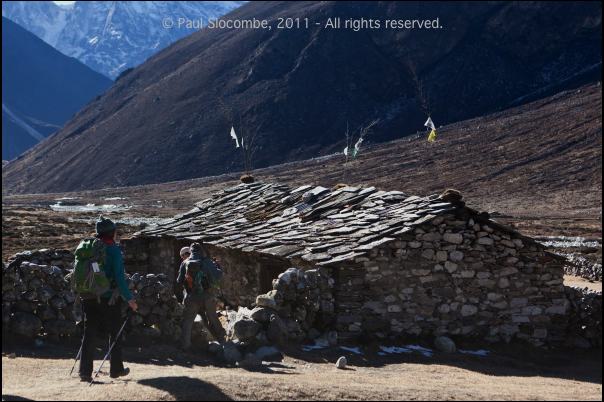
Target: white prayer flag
x,y
346,151
430,124
357,146
234,136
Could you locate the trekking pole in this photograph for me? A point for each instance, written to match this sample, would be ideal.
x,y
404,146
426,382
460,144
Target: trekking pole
x,y
79,355
117,337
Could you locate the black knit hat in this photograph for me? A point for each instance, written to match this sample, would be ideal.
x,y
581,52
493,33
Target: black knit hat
x,y
104,226
195,248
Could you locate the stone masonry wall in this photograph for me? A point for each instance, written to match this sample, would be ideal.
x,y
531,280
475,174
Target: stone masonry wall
x,y
245,274
453,276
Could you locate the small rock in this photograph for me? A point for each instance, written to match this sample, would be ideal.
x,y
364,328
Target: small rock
x,y
454,238
341,363
456,256
468,310
214,348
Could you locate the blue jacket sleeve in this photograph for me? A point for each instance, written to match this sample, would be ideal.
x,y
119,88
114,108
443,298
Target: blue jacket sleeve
x,y
117,262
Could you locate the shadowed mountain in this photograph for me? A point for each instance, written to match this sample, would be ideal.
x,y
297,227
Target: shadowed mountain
x,y
41,89
298,89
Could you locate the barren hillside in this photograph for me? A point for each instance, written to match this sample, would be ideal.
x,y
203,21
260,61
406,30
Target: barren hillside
x,y
538,166
297,89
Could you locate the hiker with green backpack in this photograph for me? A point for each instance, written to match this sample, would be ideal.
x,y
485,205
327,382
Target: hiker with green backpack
x,y
99,280
200,276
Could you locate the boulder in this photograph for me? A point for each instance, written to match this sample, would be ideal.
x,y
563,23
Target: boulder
x,y
261,314
245,328
277,330
25,324
445,344
269,354
267,300
231,353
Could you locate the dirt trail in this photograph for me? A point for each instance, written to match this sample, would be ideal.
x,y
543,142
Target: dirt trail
x,y
172,376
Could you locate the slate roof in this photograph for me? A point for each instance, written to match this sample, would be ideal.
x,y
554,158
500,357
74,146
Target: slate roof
x,y
314,223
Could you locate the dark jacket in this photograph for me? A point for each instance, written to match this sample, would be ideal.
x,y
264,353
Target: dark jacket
x,y
209,267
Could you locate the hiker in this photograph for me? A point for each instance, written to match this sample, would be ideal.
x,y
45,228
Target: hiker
x,y
200,277
104,312
185,253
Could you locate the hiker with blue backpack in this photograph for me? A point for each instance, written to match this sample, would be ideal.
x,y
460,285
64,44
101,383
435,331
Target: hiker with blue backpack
x,y
200,277
99,280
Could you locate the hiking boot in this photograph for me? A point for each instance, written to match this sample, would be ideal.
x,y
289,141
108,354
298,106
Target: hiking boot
x,y
122,373
85,378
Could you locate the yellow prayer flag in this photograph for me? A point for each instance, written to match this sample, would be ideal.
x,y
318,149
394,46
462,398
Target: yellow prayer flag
x,y
432,136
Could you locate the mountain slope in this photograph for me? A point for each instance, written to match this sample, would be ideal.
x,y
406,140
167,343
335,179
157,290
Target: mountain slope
x,y
539,166
298,89
41,89
111,36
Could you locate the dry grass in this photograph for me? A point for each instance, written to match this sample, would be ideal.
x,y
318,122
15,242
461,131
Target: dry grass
x,y
171,376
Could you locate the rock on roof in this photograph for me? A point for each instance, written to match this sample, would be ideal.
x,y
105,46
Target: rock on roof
x,y
312,222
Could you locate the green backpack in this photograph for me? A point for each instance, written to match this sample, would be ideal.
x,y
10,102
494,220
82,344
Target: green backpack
x,y
88,278
196,279
201,275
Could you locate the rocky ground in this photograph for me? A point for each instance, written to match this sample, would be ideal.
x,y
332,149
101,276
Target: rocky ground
x,y
163,373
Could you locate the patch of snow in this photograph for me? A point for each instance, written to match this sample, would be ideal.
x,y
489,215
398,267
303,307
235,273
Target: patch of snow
x,y
479,352
424,351
356,351
568,241
58,207
318,345
20,122
393,350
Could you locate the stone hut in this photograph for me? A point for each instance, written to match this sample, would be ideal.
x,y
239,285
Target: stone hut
x,y
399,265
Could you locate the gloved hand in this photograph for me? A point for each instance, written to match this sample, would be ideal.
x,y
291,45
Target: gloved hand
x,y
133,305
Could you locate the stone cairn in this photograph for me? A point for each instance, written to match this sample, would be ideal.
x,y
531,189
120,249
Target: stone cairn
x,y
37,299
585,322
299,308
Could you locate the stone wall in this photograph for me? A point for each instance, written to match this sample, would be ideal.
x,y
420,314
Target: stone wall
x,y
37,299
300,307
453,276
585,318
245,274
